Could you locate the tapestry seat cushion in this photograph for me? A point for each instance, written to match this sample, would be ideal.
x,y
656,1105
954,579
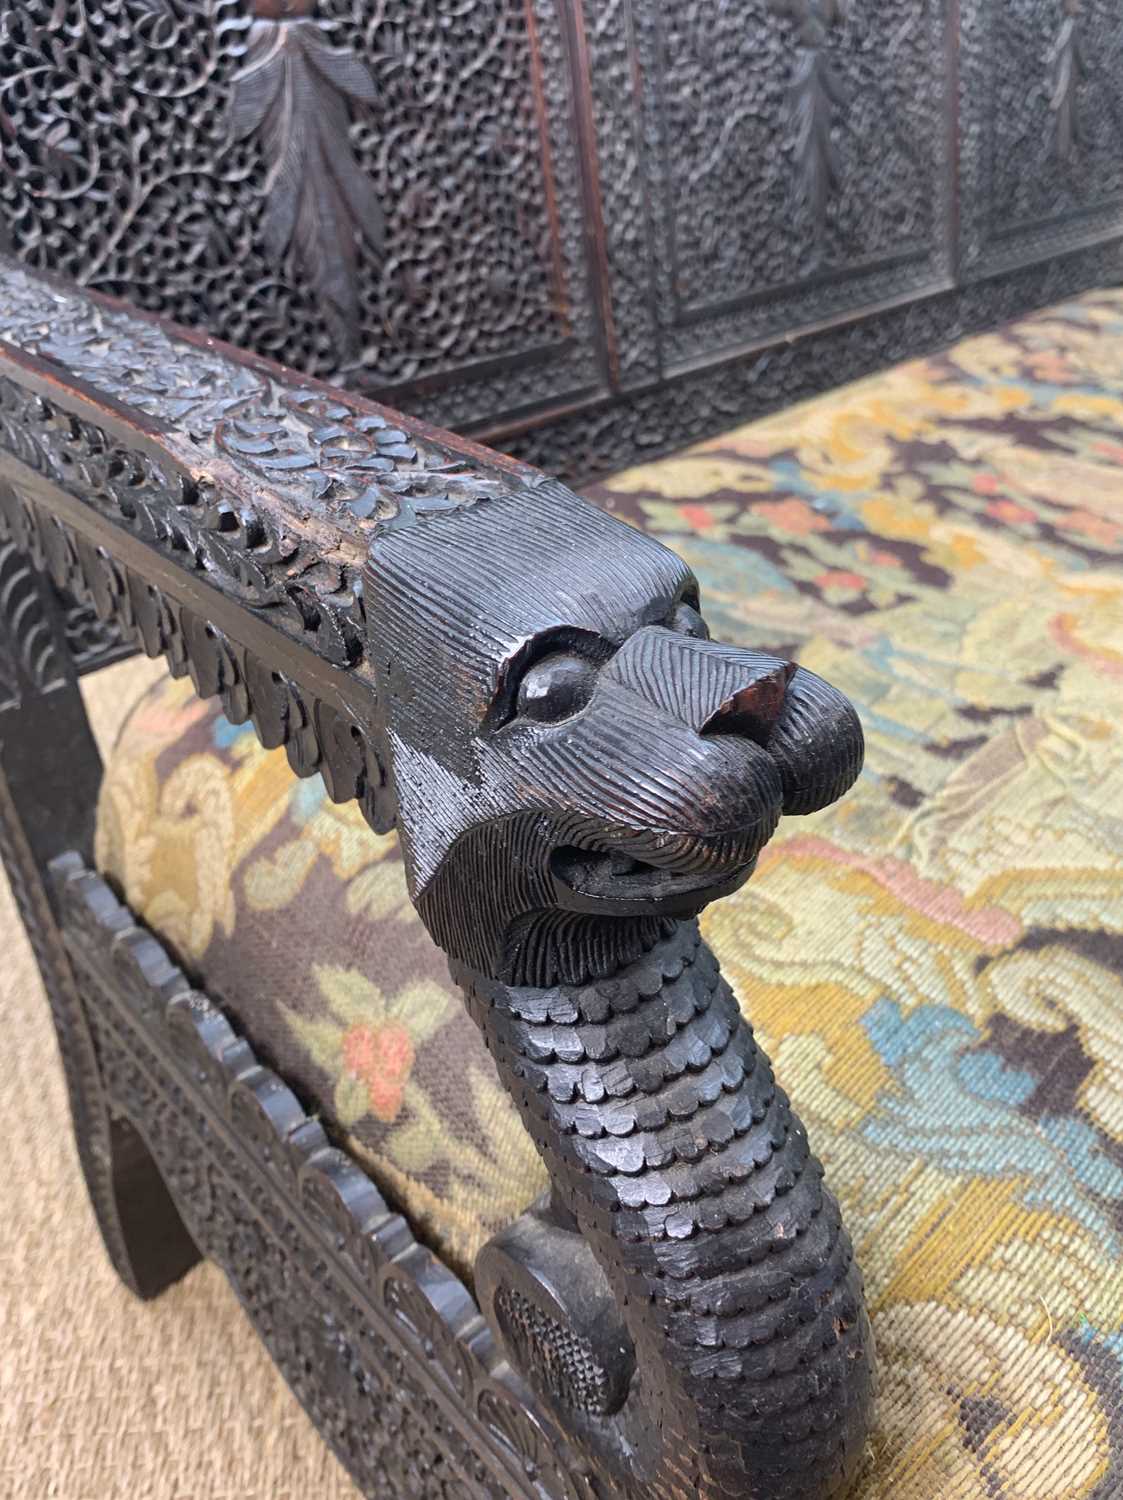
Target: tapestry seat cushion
x,y
935,964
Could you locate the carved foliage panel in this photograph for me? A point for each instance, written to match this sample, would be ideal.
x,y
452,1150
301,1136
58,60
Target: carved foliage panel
x,y
792,155
1041,126
352,187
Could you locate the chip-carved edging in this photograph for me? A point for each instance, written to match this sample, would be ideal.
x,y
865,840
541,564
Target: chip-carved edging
x,y
352,1242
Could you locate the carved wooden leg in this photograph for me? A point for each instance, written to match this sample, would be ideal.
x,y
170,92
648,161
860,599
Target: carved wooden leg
x,y
380,1342
49,775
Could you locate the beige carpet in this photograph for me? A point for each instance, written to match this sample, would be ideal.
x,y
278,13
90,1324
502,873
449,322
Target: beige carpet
x,y
103,1397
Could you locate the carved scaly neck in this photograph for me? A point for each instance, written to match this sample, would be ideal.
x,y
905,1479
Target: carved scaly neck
x,y
678,1156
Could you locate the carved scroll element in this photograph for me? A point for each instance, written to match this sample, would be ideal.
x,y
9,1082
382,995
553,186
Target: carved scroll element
x,y
93,642
27,647
295,95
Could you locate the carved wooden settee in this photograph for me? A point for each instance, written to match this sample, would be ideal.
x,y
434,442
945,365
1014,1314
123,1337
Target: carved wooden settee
x,y
525,687
547,1227
933,960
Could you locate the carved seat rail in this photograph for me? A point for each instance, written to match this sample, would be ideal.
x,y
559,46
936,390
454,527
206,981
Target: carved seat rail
x,y
526,688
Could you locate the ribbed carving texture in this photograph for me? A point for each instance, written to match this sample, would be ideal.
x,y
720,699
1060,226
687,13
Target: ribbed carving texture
x,y
27,646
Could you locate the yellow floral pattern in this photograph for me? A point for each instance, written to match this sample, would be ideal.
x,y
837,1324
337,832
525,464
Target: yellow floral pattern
x,y
296,916
935,965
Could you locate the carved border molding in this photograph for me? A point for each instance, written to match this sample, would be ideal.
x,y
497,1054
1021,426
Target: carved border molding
x,y
338,740
378,1318
602,438
239,548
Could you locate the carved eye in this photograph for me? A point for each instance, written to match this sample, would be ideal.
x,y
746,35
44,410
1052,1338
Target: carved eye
x,y
687,621
556,687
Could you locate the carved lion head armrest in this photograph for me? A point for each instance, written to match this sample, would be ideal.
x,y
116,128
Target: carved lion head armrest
x,y
527,688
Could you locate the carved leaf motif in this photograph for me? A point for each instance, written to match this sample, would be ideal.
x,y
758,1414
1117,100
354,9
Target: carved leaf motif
x,y
294,95
815,94
1066,68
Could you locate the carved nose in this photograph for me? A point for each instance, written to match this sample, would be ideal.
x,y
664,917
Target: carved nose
x,y
752,708
716,689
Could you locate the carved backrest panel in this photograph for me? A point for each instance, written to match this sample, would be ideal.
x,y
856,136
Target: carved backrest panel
x,y
1042,126
794,154
384,191
508,214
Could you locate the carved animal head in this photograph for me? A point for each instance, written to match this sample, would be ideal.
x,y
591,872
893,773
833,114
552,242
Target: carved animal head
x,y
576,764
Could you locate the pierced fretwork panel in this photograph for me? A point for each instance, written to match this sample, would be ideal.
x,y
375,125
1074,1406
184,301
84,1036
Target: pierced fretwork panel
x,y
1041,128
384,192
776,163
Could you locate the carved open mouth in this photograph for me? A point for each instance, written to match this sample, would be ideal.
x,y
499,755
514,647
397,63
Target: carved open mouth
x,y
616,884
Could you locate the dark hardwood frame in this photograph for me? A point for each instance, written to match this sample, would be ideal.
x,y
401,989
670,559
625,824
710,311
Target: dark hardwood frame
x,y
592,229
681,1316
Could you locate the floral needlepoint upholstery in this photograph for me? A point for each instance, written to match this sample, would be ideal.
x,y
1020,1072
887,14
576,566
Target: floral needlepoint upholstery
x,y
935,964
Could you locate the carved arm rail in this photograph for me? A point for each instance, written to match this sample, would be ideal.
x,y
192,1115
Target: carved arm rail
x,y
526,687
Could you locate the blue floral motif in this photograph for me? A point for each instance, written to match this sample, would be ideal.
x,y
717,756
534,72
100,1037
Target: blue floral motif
x,y
226,734
959,1108
793,479
736,573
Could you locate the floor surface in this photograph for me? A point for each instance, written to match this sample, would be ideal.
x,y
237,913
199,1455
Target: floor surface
x,y
103,1397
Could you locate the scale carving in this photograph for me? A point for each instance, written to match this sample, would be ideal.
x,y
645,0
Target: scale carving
x,y
579,771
